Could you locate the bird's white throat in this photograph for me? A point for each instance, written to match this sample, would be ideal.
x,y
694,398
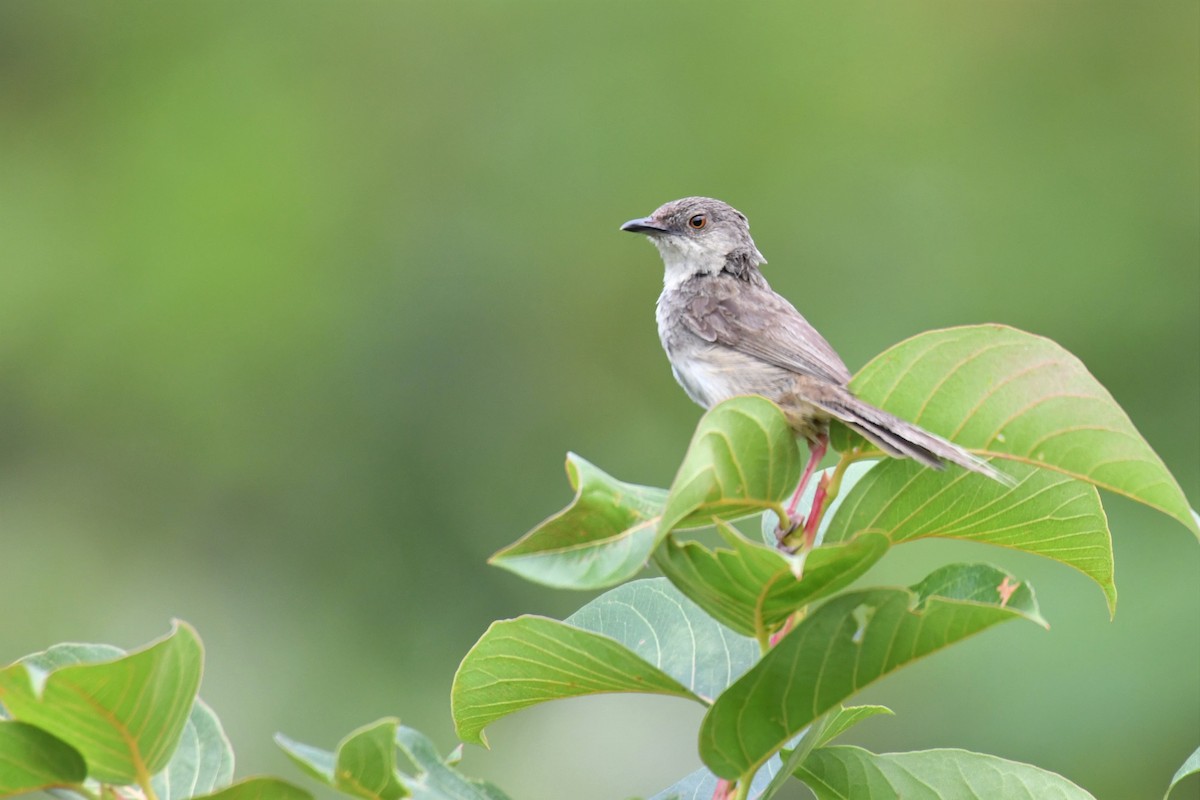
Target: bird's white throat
x,y
684,257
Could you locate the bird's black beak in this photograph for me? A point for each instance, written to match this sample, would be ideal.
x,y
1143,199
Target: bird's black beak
x,y
643,225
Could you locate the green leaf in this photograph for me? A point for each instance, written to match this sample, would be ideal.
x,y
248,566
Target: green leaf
x,y
752,588
1001,392
436,779
203,760
529,660
364,764
668,631
1046,513
851,773
743,459
847,643
1189,767
845,718
125,716
259,789
32,759
604,537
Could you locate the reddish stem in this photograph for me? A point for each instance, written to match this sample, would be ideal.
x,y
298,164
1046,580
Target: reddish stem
x,y
816,512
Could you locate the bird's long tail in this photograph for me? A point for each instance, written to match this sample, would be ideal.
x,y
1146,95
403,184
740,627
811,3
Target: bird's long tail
x,y
903,439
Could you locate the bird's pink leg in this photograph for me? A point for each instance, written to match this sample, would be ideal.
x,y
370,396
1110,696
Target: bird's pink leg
x,y
816,512
816,451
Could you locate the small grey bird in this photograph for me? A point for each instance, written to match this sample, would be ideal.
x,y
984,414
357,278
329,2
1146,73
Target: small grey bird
x,y
727,333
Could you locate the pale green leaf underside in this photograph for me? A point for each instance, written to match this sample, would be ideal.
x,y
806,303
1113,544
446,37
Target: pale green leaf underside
x,y
701,784
670,632
851,773
847,643
1189,767
202,762
125,716
318,764
436,778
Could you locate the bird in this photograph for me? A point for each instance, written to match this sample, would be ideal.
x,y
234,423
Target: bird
x,y
727,333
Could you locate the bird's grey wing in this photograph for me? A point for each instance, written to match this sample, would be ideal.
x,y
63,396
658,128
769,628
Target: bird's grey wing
x,y
756,321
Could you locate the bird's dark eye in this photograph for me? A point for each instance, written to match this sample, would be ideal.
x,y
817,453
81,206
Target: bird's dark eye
x,y
698,221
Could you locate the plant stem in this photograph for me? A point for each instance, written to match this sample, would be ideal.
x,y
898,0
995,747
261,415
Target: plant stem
x,y
835,483
145,783
763,638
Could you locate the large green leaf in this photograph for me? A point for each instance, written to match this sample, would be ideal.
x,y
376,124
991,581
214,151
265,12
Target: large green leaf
x,y
743,459
845,644
202,762
32,759
125,715
753,588
604,537
1021,398
1047,513
851,773
643,636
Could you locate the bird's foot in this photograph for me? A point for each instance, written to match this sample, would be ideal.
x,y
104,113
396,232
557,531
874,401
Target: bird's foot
x,y
783,534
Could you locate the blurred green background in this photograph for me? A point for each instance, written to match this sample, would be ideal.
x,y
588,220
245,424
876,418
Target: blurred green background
x,y
303,303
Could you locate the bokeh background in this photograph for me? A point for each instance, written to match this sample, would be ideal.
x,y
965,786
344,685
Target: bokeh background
x,y
301,305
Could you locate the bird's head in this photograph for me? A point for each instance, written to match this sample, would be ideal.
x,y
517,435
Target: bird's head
x,y
698,235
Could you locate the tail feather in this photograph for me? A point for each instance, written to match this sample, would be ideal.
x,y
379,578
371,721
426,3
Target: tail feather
x,y
902,439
